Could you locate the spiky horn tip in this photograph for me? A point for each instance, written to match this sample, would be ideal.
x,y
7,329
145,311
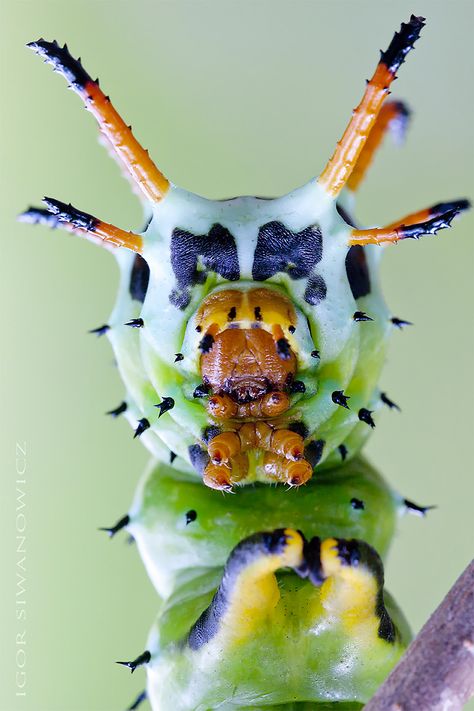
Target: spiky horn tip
x,y
402,43
68,213
430,227
142,659
39,216
62,61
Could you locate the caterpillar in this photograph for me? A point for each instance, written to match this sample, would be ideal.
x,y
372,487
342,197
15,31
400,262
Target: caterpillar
x,y
250,335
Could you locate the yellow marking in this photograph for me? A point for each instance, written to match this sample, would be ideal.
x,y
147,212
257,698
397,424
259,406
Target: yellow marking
x,y
256,594
349,594
274,309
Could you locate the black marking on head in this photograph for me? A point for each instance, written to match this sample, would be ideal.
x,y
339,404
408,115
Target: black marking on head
x,y
343,451
316,290
173,456
232,314
178,357
209,433
416,508
202,390
62,61
340,399
65,212
386,401
399,322
101,330
199,458
121,523
283,348
291,329
366,416
143,425
357,504
300,428
191,516
118,410
139,279
314,451
402,43
281,250
361,316
206,343
297,386
165,405
315,354
135,323
217,251
142,659
357,271
139,700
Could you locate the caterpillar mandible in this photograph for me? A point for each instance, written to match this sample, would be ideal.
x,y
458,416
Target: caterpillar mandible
x,y
250,336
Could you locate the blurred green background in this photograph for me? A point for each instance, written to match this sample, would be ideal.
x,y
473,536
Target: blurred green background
x,y
231,98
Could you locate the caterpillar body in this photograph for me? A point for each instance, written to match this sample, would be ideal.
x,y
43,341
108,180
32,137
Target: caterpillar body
x,y
250,335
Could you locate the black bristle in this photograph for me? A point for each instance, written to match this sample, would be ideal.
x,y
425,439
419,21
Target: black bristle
x,y
366,416
143,425
201,390
142,659
361,316
191,516
121,523
416,508
118,410
135,323
399,322
165,405
340,399
283,349
386,401
297,386
206,343
142,696
343,451
100,330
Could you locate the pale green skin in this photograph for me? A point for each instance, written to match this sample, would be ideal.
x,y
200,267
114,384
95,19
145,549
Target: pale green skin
x,y
351,353
305,657
175,552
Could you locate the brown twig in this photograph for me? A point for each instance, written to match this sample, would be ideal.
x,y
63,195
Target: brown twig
x,y
437,671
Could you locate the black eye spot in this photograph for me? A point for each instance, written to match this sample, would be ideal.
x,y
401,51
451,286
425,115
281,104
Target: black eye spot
x,y
291,329
191,516
357,504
